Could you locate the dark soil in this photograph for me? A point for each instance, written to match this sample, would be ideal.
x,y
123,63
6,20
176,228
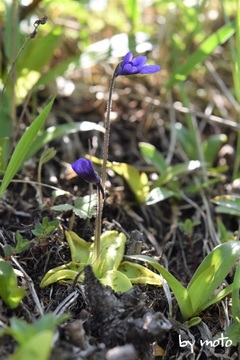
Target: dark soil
x,y
103,324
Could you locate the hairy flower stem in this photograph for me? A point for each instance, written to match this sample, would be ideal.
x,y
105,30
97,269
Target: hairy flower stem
x,y
98,223
107,127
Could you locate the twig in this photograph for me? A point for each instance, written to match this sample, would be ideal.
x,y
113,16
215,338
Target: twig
x,y
213,118
222,85
66,303
33,34
30,285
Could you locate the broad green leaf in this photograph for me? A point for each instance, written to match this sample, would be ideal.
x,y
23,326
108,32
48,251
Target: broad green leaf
x,y
233,332
20,330
117,280
158,194
23,146
222,258
227,210
38,347
9,290
112,246
216,298
175,171
199,291
152,156
54,132
228,204
137,182
203,52
112,250
85,207
179,291
48,322
38,230
80,249
62,272
62,207
139,274
22,244
193,188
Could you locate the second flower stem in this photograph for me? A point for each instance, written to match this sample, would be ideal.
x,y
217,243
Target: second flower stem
x,y
107,128
98,223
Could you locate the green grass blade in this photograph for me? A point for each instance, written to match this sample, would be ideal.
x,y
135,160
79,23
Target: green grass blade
x,y
235,294
227,204
152,156
204,50
54,132
216,298
175,171
199,289
222,258
23,146
181,294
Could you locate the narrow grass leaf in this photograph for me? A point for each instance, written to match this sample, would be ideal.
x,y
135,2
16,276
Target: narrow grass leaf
x,y
153,157
177,170
216,298
186,140
47,155
227,204
54,132
158,194
199,291
179,291
205,49
23,146
235,294
222,258
211,147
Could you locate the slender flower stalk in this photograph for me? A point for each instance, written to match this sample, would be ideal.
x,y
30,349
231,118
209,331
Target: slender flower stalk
x,y
98,227
129,66
107,128
84,167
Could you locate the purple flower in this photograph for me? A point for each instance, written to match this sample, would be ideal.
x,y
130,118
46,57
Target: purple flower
x,y
84,169
131,66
